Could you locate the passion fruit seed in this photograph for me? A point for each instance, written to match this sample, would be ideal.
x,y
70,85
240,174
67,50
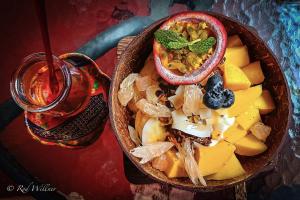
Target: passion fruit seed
x,y
228,98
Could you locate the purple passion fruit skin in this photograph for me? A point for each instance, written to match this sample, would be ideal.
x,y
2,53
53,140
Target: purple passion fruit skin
x,y
207,67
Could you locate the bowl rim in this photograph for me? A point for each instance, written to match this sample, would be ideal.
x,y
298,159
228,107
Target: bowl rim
x,y
200,187
207,67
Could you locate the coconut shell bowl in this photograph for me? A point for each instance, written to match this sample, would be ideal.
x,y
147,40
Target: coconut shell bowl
x,y
132,60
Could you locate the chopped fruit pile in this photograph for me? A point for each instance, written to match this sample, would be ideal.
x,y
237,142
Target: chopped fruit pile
x,y
185,46
197,130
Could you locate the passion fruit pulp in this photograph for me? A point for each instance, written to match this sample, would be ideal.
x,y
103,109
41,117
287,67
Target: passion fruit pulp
x,y
207,67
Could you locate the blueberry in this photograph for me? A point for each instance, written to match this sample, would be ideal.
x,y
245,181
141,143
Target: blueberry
x,y
215,82
228,98
213,99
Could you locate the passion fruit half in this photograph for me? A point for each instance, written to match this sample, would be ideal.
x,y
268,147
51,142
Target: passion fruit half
x,y
207,67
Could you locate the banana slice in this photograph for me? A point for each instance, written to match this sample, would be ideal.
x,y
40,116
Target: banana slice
x,y
153,132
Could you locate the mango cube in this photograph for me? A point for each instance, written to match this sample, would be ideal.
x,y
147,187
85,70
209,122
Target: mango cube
x,y
234,41
211,159
254,73
265,103
237,56
176,166
215,135
241,102
231,169
249,146
248,118
234,133
235,78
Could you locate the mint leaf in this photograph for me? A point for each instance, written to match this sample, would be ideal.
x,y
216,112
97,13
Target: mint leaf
x,y
203,46
177,45
172,40
167,36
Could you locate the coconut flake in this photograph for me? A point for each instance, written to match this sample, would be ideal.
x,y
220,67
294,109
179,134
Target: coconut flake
x,y
177,99
133,135
142,83
260,131
191,165
182,123
192,100
205,113
125,95
126,92
151,94
129,80
157,110
150,151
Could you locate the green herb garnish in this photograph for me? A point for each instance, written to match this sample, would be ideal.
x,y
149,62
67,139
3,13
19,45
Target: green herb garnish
x,y
166,36
202,46
172,40
176,45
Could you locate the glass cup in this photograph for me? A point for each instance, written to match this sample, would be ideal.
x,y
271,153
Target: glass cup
x,y
30,87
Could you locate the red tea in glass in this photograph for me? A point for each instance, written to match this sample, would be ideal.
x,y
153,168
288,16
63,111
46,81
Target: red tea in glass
x,y
75,113
31,88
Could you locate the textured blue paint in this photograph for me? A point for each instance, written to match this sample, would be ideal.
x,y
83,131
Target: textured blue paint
x,y
289,17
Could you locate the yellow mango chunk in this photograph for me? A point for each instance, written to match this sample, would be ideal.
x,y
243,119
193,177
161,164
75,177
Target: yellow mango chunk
x,y
231,169
211,159
234,133
235,78
249,146
242,102
248,118
254,73
170,164
216,134
237,56
265,103
176,167
234,41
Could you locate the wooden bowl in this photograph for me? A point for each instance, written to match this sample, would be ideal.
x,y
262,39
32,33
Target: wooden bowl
x,y
132,60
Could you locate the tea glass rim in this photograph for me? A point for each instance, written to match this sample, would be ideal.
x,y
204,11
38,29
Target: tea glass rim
x,y
16,87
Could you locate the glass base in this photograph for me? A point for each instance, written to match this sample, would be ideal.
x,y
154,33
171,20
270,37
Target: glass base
x,y
79,130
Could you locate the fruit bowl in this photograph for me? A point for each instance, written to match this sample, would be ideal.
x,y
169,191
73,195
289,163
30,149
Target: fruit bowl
x,y
132,60
197,75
